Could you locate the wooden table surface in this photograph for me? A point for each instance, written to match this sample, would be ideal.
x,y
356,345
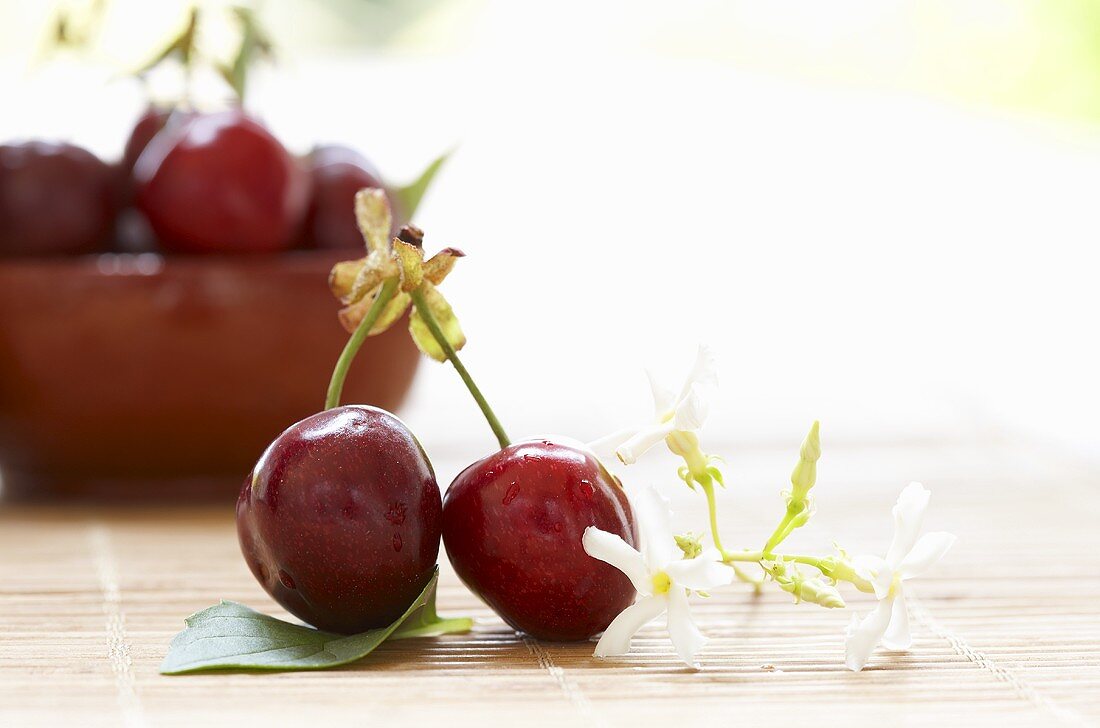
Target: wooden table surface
x,y
1007,628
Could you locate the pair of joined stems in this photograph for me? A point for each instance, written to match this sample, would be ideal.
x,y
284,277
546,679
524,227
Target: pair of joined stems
x,y
362,331
735,557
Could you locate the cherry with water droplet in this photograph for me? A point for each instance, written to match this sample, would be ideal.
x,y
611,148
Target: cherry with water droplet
x,y
512,527
341,518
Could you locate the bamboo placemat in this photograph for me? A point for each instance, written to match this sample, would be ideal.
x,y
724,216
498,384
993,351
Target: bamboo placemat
x,y
1007,628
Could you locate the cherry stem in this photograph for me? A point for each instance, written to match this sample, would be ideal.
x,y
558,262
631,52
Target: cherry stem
x,y
362,331
452,356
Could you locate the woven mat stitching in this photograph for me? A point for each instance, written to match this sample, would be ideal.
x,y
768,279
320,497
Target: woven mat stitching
x,y
119,653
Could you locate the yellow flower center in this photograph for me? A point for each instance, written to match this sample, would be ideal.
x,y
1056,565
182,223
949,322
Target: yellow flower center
x,y
661,583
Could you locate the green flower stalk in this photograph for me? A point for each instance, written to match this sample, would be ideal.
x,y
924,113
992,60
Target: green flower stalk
x,y
803,478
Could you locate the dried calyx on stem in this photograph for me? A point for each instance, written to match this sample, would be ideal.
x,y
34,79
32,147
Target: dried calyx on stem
x,y
392,278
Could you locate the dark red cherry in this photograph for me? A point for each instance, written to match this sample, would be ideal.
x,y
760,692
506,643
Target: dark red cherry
x,y
146,127
221,183
55,198
340,519
512,526
336,174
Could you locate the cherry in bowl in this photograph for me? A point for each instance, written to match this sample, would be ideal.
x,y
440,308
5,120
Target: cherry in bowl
x,y
337,173
220,183
55,199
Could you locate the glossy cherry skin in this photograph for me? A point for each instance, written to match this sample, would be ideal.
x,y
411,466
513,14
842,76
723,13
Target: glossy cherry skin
x,y
336,174
145,128
512,526
55,199
340,519
148,125
221,183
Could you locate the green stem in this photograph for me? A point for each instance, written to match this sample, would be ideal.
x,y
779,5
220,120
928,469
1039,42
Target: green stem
x,y
742,575
781,532
731,557
734,557
452,356
362,331
712,507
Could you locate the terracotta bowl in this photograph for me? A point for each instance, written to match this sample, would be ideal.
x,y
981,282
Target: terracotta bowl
x,y
149,378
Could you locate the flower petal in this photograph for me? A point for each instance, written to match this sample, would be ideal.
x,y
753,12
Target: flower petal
x,y
342,277
604,447
686,637
372,213
377,267
611,549
925,553
897,635
411,262
663,397
908,516
704,372
875,570
439,265
642,440
654,519
864,635
691,411
444,316
699,573
351,316
616,638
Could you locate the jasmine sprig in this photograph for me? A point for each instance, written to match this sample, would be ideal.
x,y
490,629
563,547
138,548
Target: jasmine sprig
x,y
677,423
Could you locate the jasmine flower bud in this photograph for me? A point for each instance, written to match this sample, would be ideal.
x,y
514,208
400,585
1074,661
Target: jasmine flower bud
x,y
690,544
805,472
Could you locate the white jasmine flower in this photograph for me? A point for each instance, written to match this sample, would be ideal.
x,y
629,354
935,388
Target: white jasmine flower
x,y
664,580
674,414
908,557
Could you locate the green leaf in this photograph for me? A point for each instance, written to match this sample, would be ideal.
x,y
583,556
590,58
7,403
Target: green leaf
x,y
409,196
231,636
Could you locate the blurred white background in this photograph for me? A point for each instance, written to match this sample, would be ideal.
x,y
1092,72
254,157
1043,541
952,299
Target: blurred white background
x,y
880,214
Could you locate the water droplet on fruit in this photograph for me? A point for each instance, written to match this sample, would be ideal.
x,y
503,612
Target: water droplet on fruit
x,y
285,578
397,543
558,527
587,489
395,514
513,491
